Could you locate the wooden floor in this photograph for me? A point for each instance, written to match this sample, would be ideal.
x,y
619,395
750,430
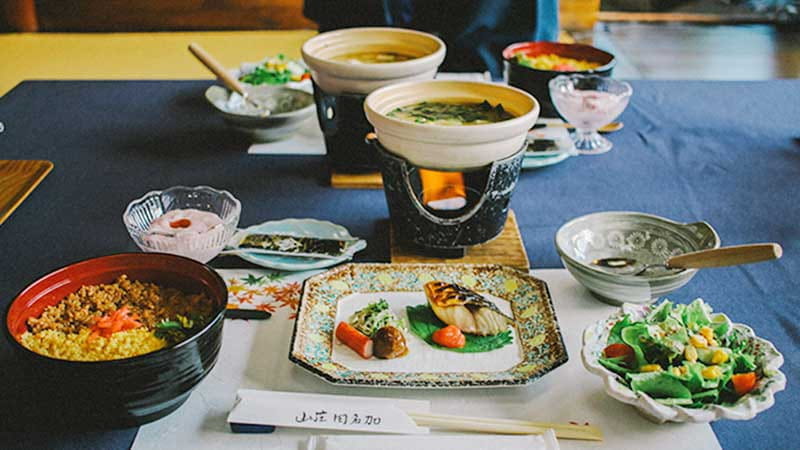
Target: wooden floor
x,y
684,51
643,50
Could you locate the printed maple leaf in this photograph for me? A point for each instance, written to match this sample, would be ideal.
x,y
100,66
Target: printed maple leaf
x,y
253,280
289,295
268,307
270,290
236,289
275,276
247,297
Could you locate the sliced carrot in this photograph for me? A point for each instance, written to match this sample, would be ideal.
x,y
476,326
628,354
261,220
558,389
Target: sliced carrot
x,y
450,337
354,339
119,320
744,382
130,324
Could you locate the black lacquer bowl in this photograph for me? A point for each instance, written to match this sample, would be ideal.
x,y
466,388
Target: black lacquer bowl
x,y
124,392
535,81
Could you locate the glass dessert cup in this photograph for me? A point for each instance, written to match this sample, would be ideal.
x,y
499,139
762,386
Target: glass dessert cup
x,y
588,102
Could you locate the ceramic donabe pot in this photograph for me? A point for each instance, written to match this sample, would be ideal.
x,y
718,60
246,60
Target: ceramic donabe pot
x,y
448,147
340,87
341,77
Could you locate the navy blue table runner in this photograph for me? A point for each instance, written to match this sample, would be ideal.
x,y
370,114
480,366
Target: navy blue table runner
x,y
724,152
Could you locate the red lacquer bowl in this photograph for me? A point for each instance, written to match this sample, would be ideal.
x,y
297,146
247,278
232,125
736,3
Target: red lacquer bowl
x,y
535,80
131,391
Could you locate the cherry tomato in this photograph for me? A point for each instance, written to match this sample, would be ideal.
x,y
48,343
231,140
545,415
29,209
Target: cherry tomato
x,y
620,350
744,382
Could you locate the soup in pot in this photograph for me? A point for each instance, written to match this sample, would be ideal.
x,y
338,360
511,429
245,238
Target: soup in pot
x,y
451,113
373,57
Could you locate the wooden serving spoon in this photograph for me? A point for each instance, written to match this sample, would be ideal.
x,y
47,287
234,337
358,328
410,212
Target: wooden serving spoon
x,y
716,257
233,84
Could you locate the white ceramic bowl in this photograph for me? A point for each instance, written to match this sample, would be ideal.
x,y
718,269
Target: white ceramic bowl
x,y
646,238
595,339
451,147
338,77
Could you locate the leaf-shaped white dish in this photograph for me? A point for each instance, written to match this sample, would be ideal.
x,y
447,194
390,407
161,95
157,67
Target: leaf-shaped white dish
x,y
595,338
299,227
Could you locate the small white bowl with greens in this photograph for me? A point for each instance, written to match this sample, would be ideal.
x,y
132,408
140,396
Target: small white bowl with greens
x,y
683,363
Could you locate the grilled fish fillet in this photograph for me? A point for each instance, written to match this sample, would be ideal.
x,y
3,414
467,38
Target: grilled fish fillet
x,y
466,309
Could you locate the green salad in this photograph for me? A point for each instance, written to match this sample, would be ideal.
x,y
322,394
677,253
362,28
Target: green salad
x,y
276,70
373,317
682,355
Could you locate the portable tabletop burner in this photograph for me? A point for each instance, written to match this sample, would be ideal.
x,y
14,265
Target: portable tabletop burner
x,y
472,211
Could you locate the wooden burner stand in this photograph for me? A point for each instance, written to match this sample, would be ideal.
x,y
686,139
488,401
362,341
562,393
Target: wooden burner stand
x,y
372,180
506,249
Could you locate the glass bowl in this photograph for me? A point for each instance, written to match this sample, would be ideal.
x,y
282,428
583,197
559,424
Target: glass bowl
x,y
141,213
589,102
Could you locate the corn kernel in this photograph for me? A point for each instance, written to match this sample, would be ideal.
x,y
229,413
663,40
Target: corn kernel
x,y
713,343
698,341
690,353
707,333
684,370
676,371
719,356
650,368
711,372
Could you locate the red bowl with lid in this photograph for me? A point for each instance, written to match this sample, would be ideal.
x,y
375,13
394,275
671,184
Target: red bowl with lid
x,y
535,81
123,392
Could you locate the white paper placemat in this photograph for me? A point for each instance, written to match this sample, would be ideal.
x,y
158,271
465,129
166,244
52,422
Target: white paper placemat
x,y
254,355
307,141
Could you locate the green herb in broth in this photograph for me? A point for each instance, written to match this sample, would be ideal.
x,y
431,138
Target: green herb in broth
x,y
451,113
373,57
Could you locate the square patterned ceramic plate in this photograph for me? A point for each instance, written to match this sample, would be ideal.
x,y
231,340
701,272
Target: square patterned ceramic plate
x,y
328,298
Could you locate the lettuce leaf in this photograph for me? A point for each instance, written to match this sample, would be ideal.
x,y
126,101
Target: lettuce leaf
x,y
721,325
615,335
711,395
660,312
659,385
697,315
634,336
613,364
744,363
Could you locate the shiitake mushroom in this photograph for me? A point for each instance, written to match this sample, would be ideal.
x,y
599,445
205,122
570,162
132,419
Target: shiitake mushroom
x,y
389,342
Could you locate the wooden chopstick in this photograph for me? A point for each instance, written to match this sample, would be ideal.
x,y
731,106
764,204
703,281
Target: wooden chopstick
x,y
506,426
